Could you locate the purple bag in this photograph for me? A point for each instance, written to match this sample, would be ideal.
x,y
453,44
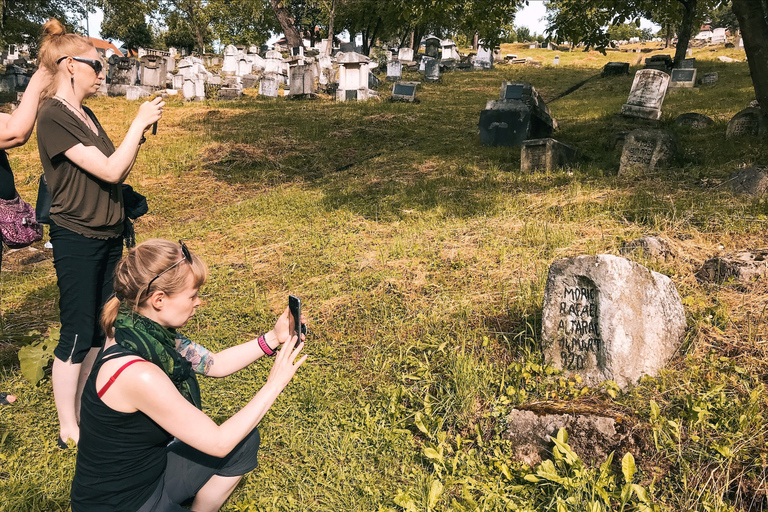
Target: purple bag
x,y
18,225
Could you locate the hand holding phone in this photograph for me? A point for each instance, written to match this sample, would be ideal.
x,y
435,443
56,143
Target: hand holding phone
x,y
298,328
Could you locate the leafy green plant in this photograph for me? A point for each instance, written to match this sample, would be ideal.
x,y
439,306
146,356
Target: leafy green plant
x,y
36,356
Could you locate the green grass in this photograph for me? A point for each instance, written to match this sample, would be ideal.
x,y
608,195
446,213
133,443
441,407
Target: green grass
x,y
421,258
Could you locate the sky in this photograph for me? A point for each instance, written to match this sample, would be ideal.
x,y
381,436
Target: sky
x,y
530,16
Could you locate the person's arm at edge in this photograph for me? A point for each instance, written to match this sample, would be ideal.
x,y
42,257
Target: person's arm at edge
x,y
16,128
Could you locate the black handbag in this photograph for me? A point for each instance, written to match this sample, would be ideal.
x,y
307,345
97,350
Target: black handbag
x,y
43,204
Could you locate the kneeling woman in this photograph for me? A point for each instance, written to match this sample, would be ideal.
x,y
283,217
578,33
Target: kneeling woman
x,y
145,444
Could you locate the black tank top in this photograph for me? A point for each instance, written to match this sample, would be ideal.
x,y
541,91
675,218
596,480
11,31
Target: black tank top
x,y
121,457
7,187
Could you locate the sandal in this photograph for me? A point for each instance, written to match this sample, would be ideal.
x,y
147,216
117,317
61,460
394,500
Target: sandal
x,y
6,399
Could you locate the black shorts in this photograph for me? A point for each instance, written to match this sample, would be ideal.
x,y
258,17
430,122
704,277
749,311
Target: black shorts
x,y
189,469
85,270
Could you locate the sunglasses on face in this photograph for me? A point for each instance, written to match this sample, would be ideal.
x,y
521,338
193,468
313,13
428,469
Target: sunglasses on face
x,y
185,256
96,65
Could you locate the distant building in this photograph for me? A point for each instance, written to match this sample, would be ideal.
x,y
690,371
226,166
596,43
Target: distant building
x,y
105,48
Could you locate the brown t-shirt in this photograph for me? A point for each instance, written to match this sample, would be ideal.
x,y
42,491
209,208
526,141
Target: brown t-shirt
x,y
80,201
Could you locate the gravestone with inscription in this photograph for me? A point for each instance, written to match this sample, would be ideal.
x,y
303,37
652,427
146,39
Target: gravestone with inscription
x,y
545,155
694,120
709,78
748,122
432,47
646,150
302,81
404,91
269,85
615,69
520,114
608,318
405,54
394,70
682,78
431,69
646,95
484,58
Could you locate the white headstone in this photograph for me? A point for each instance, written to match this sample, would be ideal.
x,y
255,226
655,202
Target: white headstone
x,y
648,90
394,70
484,58
405,54
718,36
230,60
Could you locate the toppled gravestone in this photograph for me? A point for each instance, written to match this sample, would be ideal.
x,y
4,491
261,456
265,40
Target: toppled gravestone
x,y
608,318
694,120
646,150
593,437
652,247
742,266
751,181
748,122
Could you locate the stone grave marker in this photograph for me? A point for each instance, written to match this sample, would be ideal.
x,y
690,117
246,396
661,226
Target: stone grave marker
x,y
652,247
694,120
373,81
244,66
659,62
431,69
347,47
302,81
608,318
718,36
432,47
689,63
269,85
153,71
682,78
394,70
250,81
404,91
177,82
405,55
748,122
751,181
646,150
484,58
544,155
646,95
615,68
231,58
742,266
126,71
449,51
520,114
709,78
353,77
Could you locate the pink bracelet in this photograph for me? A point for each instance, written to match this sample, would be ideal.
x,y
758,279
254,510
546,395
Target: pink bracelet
x,y
265,347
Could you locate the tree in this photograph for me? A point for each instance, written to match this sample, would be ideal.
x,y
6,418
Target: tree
x,y
623,32
752,16
21,20
585,20
292,35
126,20
243,22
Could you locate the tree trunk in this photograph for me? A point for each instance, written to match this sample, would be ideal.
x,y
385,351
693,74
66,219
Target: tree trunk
x,y
292,35
668,38
418,33
476,41
329,47
686,30
753,22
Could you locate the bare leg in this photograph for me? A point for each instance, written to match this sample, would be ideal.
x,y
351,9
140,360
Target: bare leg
x,y
214,493
65,384
85,370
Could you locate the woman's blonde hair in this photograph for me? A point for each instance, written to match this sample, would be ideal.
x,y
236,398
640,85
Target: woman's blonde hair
x,y
140,266
56,44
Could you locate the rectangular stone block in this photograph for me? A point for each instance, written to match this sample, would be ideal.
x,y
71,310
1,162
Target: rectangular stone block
x,y
544,155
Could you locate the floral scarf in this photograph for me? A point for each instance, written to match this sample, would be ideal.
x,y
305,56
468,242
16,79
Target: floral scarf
x,y
157,345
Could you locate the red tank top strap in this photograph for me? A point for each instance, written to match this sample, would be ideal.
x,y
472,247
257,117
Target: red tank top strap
x,y
116,375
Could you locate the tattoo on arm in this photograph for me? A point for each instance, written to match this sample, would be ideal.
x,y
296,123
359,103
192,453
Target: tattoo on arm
x,y
198,356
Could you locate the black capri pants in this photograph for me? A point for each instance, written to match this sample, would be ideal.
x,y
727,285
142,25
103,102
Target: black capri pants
x,y
188,470
85,269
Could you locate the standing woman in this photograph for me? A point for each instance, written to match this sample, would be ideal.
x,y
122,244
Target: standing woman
x,y
15,130
84,173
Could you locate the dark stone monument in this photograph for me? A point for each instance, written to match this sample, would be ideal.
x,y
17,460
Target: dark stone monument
x,y
431,69
687,64
694,120
659,62
709,78
373,81
545,155
432,47
748,122
616,69
646,150
302,81
519,115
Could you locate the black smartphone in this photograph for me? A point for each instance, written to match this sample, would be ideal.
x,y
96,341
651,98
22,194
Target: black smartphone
x,y
294,305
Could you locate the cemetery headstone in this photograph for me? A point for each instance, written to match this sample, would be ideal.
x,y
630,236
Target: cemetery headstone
x,y
153,71
405,55
709,78
544,155
269,85
748,122
449,51
616,68
484,58
694,120
353,77
404,91
520,114
751,181
660,62
718,36
373,81
231,58
394,70
302,81
742,266
432,47
687,64
648,90
431,69
347,47
646,150
608,318
652,247
682,78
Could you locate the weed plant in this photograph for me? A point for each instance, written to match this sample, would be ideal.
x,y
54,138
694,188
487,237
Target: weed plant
x,y
421,257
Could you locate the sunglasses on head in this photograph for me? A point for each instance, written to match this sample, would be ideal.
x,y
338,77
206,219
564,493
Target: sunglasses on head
x,y
96,65
184,256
